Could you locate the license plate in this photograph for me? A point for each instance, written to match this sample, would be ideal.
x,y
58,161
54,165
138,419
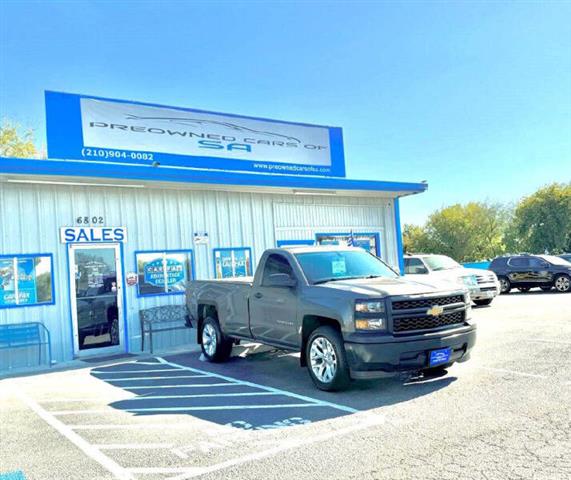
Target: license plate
x,y
489,294
439,357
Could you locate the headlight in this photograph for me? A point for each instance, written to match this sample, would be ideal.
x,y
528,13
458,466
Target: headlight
x,y
364,306
468,313
469,281
370,324
369,315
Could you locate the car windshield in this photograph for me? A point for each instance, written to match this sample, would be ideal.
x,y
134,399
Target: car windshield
x,y
440,262
327,266
555,260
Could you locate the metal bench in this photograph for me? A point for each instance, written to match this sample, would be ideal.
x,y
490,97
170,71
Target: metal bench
x,y
22,335
162,319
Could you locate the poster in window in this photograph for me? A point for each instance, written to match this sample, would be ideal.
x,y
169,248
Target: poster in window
x,y
30,277
233,262
7,283
26,281
163,272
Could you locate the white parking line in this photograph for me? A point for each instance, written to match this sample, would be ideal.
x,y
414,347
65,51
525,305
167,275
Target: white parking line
x,y
132,426
91,451
204,395
132,379
263,387
186,409
134,446
135,371
162,397
193,385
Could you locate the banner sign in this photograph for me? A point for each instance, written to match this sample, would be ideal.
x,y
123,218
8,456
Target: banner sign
x,y
100,129
232,262
92,234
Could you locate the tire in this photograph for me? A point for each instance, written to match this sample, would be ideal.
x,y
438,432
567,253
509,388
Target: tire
x,y
546,289
481,303
326,359
523,289
505,285
215,346
562,283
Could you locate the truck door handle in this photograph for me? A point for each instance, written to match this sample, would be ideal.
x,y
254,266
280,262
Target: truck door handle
x,y
258,295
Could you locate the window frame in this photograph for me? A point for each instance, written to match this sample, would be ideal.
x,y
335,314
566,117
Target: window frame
x,y
410,259
510,262
287,260
376,235
229,249
52,279
191,273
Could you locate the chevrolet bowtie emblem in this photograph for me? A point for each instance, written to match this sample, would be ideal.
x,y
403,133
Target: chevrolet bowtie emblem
x,y
435,310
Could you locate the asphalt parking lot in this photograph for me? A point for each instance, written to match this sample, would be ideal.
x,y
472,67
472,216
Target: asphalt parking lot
x,y
506,414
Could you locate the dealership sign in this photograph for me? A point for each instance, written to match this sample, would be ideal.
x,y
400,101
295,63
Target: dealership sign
x,y
92,128
92,234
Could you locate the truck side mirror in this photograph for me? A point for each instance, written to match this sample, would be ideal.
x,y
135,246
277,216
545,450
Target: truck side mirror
x,y
280,280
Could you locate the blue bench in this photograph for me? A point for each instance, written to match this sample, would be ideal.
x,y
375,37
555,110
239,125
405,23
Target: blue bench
x,y
22,335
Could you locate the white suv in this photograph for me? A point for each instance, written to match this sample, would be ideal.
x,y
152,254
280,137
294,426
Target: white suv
x,y
483,285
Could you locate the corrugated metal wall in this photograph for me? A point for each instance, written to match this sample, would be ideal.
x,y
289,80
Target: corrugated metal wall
x,y
165,219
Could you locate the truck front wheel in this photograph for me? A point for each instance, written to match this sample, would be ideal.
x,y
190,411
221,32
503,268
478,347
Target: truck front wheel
x,y
215,347
326,361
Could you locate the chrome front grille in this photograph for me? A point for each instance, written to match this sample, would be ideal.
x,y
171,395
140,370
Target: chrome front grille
x,y
485,278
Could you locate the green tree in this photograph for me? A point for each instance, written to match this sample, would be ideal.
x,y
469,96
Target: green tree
x,y
464,232
542,221
413,237
14,142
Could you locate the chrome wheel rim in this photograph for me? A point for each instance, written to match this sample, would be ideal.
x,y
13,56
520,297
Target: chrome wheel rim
x,y
503,285
323,360
562,284
209,340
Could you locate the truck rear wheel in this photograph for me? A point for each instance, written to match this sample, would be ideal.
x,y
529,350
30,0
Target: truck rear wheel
x,y
326,361
215,347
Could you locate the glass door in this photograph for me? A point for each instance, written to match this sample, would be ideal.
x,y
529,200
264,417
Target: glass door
x,y
96,299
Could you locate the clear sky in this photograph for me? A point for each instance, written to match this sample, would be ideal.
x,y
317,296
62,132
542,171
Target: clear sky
x,y
474,97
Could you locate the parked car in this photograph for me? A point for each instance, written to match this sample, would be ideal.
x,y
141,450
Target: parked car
x,y
566,256
529,271
482,284
346,311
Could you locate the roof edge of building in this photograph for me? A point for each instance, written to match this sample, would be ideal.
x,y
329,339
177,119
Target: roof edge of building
x,y
181,175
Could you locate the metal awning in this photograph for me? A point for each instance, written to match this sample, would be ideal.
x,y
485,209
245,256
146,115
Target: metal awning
x,y
112,174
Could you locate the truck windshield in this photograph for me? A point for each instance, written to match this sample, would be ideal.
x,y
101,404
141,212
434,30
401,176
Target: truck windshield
x,y
320,267
440,262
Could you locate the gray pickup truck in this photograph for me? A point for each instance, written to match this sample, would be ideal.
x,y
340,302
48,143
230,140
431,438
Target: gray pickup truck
x,y
346,311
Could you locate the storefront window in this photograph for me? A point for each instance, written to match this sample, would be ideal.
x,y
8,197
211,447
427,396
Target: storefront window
x,y
367,241
163,273
26,280
232,262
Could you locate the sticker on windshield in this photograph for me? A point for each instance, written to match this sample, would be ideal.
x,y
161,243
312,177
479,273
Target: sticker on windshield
x,y
338,267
